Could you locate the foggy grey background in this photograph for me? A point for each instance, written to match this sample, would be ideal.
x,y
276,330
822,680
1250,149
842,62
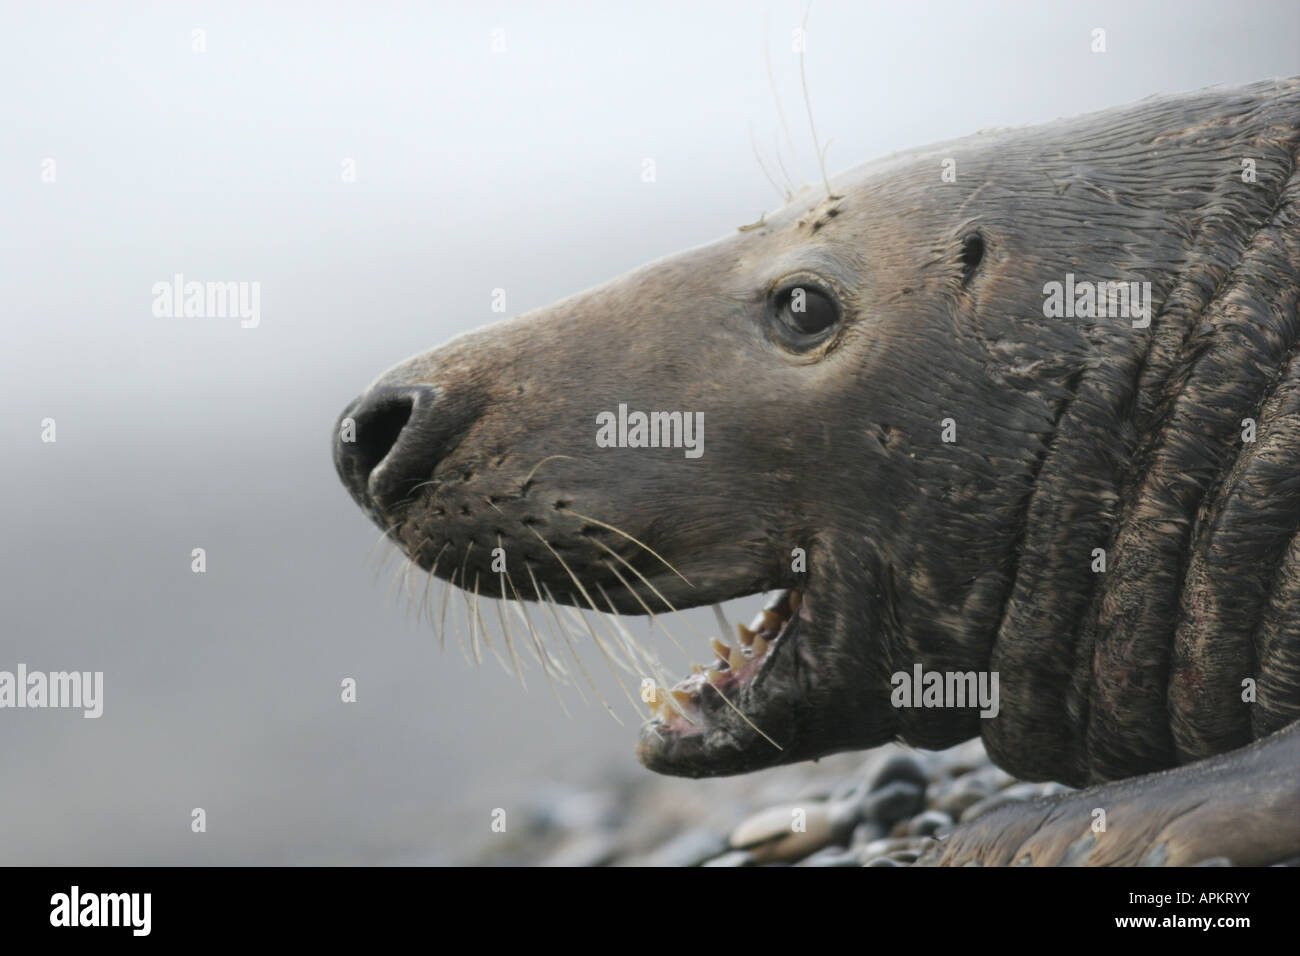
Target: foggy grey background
x,y
475,170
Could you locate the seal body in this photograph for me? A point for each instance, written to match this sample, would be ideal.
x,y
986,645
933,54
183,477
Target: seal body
x,y
1037,417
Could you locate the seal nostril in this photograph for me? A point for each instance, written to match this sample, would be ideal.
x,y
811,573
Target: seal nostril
x,y
377,435
389,440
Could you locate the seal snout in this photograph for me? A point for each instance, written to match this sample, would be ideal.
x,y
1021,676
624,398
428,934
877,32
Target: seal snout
x,y
388,441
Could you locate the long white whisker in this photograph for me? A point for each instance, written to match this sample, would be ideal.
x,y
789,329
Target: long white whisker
x,y
803,80
551,605
558,628
505,628
780,110
650,661
542,657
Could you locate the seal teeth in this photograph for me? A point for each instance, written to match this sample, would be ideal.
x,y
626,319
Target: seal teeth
x,y
657,703
753,644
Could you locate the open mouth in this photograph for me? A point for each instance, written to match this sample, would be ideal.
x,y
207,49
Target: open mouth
x,y
686,708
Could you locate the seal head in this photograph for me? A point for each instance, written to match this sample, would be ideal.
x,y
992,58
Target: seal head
x,y
899,439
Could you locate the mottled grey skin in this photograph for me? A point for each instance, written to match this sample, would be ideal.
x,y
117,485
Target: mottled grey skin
x,y
973,555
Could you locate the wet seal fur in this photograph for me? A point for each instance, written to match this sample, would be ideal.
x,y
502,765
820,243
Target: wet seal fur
x,y
1181,657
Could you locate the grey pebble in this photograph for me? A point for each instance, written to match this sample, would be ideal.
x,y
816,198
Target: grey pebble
x,y
851,789
892,845
831,856
999,778
771,837
1054,789
585,849
963,758
866,832
989,777
928,823
691,848
896,800
956,799
899,767
1025,791
734,858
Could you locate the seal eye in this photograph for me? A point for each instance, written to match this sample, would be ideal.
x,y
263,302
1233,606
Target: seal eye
x,y
805,310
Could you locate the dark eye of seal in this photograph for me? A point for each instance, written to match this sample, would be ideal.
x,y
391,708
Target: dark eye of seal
x,y
804,312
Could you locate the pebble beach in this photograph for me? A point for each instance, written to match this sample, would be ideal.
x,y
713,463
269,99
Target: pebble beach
x,y
875,808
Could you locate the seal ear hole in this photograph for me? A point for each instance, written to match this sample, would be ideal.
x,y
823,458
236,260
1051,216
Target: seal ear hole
x,y
972,254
